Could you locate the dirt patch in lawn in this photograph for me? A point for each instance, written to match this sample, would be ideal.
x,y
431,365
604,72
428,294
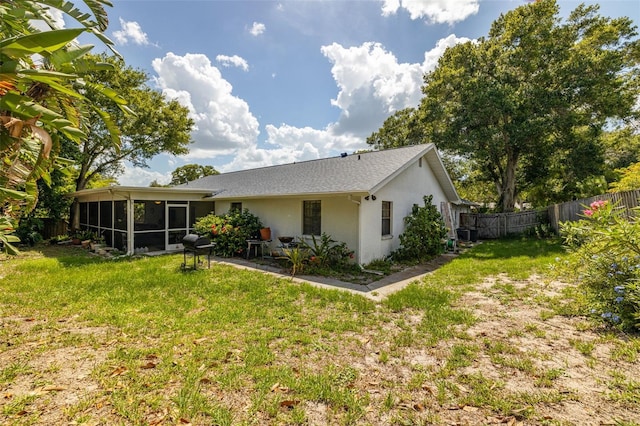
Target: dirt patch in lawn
x,y
47,367
517,364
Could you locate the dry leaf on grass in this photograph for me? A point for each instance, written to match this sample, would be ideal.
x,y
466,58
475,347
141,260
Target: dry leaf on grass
x,y
53,388
118,371
289,404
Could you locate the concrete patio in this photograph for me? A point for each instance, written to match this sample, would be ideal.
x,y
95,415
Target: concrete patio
x,y
376,290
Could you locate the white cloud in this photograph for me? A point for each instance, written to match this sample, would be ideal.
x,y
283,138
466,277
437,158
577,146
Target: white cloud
x,y
373,85
223,122
433,11
235,60
131,31
257,29
288,144
390,7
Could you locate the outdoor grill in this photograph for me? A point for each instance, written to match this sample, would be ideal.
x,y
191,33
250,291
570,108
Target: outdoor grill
x,y
195,245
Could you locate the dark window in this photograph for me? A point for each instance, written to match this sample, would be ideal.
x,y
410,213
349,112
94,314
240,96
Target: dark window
x,y
106,220
311,218
93,213
177,217
386,217
148,215
236,207
120,240
120,213
84,211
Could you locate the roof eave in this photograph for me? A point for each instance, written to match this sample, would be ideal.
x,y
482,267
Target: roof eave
x,y
436,164
221,195
129,189
405,166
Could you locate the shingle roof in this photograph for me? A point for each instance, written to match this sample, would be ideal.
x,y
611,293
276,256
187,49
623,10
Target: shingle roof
x,y
355,173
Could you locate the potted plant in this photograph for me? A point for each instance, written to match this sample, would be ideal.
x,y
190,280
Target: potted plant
x,y
97,243
75,238
83,237
265,234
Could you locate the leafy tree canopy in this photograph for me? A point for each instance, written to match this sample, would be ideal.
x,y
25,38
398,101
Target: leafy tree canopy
x,y
528,103
629,179
158,125
190,172
621,150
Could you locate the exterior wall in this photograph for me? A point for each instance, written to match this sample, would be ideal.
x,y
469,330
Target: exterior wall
x,y
284,216
404,191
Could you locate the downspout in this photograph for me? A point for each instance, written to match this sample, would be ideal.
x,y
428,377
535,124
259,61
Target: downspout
x,y
359,227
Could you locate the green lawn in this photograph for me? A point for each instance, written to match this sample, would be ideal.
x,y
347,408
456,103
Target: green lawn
x,y
138,341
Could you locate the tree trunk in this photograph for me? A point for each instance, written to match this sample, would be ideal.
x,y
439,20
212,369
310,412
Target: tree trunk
x,y
74,211
74,215
507,200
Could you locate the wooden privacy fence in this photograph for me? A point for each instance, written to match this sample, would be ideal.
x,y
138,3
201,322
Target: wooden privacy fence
x,y
571,210
54,227
498,225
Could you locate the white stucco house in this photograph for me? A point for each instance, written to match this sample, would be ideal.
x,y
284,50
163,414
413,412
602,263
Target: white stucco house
x,y
360,199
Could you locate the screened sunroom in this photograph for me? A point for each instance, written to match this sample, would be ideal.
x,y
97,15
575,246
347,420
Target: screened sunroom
x,y
141,220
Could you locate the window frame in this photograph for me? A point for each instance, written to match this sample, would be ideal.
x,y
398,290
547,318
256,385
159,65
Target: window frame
x,y
386,222
311,217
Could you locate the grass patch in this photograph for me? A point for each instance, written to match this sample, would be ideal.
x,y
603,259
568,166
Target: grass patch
x,y
624,389
586,348
235,347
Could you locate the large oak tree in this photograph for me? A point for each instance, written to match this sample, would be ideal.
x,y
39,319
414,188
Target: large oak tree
x,y
158,125
534,95
527,104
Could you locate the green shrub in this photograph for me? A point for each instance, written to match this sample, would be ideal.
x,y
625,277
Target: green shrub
x,y
326,252
298,257
543,229
605,258
423,233
30,230
229,232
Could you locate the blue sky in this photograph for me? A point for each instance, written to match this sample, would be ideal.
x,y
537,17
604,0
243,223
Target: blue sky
x,y
273,82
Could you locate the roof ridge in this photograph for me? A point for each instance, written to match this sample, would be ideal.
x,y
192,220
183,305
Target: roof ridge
x,y
377,151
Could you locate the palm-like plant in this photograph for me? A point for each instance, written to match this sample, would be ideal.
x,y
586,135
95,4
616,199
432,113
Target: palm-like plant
x,y
41,94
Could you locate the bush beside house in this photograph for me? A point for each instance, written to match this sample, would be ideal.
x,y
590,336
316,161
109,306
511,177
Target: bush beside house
x,y
423,234
229,232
